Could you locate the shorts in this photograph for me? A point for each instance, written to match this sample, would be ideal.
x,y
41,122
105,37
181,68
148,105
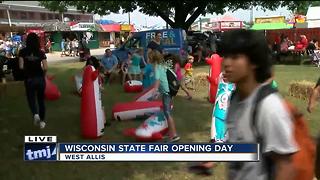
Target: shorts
x,y
134,70
167,101
188,79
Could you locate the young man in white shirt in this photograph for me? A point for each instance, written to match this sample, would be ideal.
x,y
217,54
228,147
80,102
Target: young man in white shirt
x,y
247,63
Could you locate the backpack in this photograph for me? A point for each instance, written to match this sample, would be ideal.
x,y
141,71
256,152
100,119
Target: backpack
x,y
304,160
173,82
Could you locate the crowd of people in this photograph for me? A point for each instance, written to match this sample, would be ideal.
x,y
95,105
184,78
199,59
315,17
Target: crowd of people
x,y
151,71
10,48
247,64
69,47
283,45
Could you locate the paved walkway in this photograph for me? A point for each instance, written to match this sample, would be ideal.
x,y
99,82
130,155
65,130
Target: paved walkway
x,y
56,58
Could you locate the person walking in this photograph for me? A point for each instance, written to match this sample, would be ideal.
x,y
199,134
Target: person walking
x,y
162,87
247,63
63,47
33,62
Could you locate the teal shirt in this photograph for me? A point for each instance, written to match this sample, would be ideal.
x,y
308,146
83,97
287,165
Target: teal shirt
x,y
148,77
136,60
161,75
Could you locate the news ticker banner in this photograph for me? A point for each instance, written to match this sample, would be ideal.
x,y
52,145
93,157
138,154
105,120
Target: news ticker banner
x,y
46,148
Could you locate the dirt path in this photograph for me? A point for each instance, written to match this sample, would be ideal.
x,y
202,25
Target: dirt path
x,y
56,58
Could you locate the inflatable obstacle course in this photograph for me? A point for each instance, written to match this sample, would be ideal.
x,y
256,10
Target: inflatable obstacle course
x,y
146,95
151,129
215,68
51,92
92,113
135,110
78,82
133,86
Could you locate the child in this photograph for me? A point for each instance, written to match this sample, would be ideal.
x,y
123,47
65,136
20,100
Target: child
x,y
177,69
162,85
148,75
143,62
124,68
218,126
221,105
134,67
189,72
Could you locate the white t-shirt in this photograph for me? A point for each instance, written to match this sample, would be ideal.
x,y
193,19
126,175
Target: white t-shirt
x,y
273,124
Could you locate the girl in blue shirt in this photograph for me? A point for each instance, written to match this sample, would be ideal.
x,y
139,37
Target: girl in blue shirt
x,y
148,75
134,67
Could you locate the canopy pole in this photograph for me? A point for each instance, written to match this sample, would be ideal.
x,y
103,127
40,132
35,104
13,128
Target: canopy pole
x,y
9,19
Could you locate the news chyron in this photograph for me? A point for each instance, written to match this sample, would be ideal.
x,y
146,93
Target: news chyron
x,y
40,148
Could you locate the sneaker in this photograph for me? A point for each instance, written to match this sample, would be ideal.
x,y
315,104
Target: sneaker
x,y
174,139
219,141
42,124
36,119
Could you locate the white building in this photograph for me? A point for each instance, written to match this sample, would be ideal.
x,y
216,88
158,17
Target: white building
x,y
30,13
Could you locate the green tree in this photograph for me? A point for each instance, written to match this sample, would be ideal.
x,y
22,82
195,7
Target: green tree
x,y
302,7
177,13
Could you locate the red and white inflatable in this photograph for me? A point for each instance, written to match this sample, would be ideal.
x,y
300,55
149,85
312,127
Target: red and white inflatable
x,y
152,129
215,62
92,113
51,91
133,86
146,95
133,110
78,82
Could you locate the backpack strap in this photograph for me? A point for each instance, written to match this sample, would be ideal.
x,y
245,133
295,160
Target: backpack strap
x,y
262,93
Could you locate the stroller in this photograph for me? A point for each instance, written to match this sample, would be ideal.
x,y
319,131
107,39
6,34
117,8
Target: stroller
x,y
314,57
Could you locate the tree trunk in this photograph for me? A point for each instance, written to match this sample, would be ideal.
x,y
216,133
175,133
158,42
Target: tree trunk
x,y
180,18
181,21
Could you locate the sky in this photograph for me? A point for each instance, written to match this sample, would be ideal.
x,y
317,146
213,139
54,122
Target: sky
x,y
141,19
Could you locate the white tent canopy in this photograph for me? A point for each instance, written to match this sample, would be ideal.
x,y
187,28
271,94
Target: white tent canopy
x,y
313,17
313,13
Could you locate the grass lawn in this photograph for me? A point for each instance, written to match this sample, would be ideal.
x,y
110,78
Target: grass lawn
x,y
63,119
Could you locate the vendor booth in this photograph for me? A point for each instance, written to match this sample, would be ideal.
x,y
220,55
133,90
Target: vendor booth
x,y
225,23
271,22
89,31
108,36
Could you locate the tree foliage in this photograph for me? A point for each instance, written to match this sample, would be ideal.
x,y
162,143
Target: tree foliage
x,y
302,6
177,13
